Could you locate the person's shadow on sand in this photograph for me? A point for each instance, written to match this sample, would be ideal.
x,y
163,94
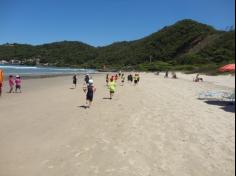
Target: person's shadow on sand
x,y
83,106
226,106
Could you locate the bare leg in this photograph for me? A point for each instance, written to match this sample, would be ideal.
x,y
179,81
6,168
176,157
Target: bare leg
x,y
111,95
90,103
87,102
11,89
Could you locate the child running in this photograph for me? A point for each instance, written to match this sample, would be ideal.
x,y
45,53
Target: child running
x,y
18,83
112,86
11,83
90,90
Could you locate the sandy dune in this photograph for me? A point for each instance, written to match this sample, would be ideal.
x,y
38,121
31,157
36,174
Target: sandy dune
x,y
158,128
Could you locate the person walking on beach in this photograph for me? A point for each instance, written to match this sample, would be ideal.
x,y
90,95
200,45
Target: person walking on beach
x,y
122,79
130,78
174,76
107,79
18,83
166,74
86,79
1,81
112,86
136,79
116,77
89,90
75,80
11,83
119,73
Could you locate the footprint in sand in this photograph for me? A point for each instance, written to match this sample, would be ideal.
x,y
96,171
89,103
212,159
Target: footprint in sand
x,y
45,162
50,167
78,154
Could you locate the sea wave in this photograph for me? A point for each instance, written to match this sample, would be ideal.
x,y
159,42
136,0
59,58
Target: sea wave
x,y
41,68
17,67
38,70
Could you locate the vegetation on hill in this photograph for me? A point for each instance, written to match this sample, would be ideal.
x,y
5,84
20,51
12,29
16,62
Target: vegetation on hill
x,y
186,45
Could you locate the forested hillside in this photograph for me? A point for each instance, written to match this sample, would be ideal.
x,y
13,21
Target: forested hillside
x,y
185,45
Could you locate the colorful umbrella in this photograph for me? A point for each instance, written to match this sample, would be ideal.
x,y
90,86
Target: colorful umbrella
x,y
227,68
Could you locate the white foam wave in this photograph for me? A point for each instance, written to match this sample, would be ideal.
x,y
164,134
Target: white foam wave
x,y
17,67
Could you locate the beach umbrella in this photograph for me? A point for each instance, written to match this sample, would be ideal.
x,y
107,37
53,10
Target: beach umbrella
x,y
227,68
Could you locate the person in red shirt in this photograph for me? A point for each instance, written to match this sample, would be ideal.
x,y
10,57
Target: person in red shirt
x,y
11,83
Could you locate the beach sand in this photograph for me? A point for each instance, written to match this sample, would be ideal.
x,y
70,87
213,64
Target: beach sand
x,y
158,128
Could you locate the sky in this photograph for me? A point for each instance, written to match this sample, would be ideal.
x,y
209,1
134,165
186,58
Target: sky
x,y
102,22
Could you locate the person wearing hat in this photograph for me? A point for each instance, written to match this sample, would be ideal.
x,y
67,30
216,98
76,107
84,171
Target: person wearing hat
x,y
18,83
1,80
90,90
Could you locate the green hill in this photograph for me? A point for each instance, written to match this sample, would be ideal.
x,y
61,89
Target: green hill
x,y
186,45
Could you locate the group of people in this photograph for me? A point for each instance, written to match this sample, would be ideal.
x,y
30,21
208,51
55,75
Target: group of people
x,y
13,82
88,88
135,78
174,76
198,79
111,83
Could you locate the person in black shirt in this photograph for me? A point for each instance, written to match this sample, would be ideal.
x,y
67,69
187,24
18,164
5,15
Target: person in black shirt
x,y
89,90
75,80
86,79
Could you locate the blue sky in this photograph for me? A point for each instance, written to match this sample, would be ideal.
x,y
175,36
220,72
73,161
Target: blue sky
x,y
102,22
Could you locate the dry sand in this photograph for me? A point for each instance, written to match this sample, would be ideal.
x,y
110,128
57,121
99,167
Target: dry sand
x,y
158,128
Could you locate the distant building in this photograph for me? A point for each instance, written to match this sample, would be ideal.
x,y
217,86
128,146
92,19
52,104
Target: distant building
x,y
3,62
13,61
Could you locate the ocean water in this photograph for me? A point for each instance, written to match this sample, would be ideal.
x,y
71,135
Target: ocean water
x,y
37,71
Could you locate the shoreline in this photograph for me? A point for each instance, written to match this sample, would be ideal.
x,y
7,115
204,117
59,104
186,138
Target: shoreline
x,y
50,75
